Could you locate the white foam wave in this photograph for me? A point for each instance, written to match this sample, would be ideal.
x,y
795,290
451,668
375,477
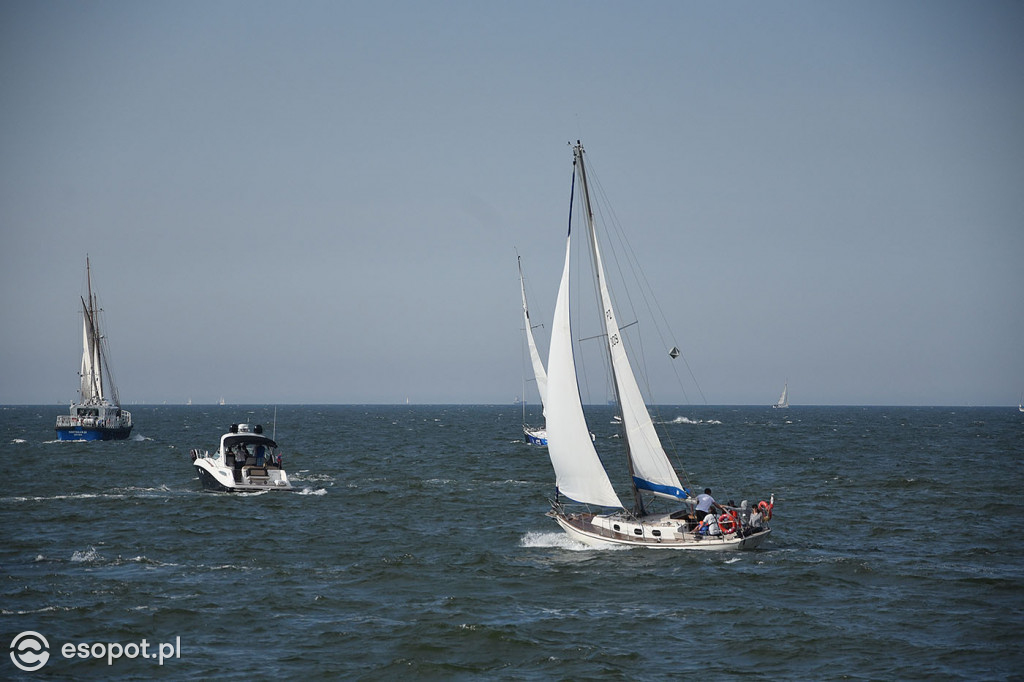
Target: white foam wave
x,y
313,491
19,440
87,556
560,541
76,496
45,609
303,476
695,422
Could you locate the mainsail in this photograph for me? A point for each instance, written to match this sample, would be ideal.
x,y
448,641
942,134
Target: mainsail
x,y
538,366
651,468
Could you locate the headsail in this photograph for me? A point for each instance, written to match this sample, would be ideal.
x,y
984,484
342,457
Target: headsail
x,y
579,474
651,467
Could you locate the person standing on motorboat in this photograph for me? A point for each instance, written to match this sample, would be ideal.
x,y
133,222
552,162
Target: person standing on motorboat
x,y
240,456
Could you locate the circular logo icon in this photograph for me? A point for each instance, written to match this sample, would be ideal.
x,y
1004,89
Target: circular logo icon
x,y
29,651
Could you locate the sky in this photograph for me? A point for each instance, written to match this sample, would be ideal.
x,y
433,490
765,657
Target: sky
x,y
322,202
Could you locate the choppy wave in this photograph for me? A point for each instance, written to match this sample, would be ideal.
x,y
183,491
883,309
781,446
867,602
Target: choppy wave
x,y
694,422
313,491
89,555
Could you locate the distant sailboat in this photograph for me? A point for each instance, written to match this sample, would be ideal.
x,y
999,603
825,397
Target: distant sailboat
x,y
97,415
579,473
534,435
784,398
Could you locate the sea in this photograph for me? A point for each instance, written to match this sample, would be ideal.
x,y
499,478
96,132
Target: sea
x,y
417,547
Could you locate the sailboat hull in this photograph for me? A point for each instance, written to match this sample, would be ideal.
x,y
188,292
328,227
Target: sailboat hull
x,y
536,436
654,532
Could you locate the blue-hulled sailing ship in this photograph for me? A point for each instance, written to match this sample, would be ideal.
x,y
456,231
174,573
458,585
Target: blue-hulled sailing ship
x,y
97,415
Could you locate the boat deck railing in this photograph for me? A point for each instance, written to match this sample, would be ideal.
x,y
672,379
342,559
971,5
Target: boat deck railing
x,y
65,421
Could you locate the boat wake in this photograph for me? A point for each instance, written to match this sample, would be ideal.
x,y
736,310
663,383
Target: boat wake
x,y
560,540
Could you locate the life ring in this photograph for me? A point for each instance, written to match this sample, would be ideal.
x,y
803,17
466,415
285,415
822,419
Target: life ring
x,y
766,509
728,522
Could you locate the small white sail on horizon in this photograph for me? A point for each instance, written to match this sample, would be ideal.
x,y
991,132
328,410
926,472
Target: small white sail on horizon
x,y
783,400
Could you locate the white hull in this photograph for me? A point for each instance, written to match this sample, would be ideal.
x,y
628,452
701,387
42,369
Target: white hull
x,y
222,479
655,532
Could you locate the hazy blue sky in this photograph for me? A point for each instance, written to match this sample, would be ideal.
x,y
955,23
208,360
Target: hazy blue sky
x,y
302,202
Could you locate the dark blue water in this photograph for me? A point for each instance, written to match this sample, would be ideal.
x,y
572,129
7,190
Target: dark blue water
x,y
418,547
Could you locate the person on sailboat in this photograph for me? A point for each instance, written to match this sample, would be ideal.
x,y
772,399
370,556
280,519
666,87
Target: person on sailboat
x,y
705,504
709,526
755,519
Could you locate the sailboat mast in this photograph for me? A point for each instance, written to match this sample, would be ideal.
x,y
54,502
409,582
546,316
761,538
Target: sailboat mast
x,y
598,271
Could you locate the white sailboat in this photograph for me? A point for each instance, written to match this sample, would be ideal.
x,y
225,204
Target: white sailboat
x,y
97,415
579,473
534,435
784,398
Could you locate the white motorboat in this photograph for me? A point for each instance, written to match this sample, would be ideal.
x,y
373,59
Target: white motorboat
x,y
247,461
579,474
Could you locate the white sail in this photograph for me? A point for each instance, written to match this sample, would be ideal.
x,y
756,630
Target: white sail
x,y
651,467
784,398
579,474
92,380
539,374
